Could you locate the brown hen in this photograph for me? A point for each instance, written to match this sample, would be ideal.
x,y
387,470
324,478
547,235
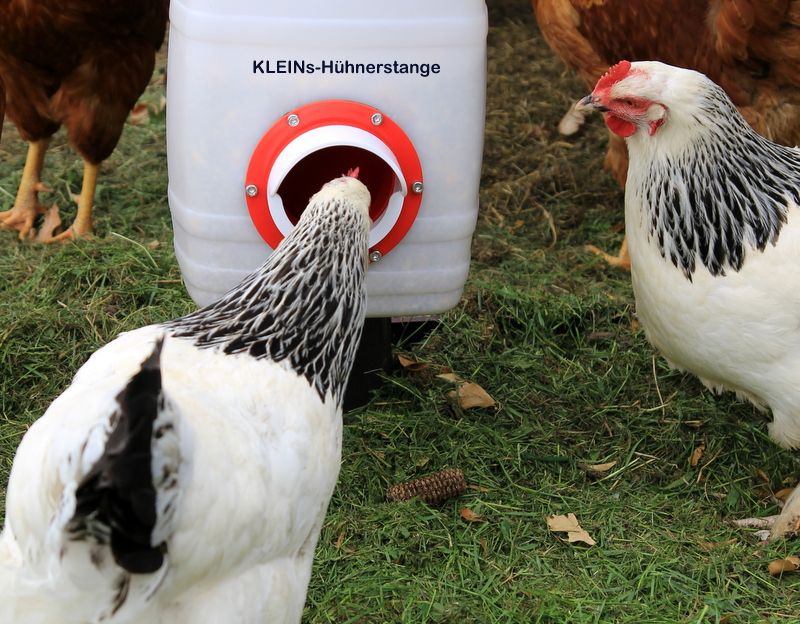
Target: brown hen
x,y
749,47
2,105
77,63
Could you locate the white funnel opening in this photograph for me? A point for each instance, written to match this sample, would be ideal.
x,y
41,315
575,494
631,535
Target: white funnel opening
x,y
319,155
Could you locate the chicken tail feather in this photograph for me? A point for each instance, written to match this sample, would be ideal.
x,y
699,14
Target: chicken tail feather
x,y
117,498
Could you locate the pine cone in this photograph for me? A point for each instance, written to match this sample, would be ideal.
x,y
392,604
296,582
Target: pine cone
x,y
433,489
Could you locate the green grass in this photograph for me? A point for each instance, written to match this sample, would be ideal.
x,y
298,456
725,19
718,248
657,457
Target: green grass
x,y
543,326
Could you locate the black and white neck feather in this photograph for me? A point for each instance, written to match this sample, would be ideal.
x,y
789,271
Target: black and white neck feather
x,y
714,192
304,307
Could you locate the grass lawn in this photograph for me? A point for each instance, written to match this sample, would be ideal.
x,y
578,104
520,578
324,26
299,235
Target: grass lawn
x,y
546,329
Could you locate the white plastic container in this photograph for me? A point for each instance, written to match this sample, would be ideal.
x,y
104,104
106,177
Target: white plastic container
x,y
240,75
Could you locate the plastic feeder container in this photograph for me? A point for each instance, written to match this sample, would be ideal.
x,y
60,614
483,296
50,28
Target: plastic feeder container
x,y
270,100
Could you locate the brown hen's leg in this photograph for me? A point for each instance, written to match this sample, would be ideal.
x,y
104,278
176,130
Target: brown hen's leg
x,y
82,226
26,205
622,260
617,164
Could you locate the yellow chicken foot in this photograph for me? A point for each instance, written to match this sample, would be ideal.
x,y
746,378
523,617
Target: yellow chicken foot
x,y
26,205
82,226
622,260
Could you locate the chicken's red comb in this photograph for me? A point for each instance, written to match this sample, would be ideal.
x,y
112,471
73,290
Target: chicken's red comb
x,y
353,173
614,74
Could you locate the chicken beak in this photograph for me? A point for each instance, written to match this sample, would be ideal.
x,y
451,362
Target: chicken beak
x,y
590,103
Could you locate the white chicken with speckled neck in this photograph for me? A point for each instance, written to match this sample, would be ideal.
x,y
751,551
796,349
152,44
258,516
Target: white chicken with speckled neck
x,y
713,228
184,475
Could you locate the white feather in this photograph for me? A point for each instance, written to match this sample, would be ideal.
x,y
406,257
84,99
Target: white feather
x,y
257,475
245,450
737,332
739,329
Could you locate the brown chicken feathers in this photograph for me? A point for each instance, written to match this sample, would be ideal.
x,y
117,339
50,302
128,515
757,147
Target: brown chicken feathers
x,y
77,63
751,48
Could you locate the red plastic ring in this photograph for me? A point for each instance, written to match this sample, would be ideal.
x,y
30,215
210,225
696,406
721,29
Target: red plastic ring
x,y
328,113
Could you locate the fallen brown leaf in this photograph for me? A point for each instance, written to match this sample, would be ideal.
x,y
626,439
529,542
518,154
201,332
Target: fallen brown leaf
x,y
478,488
139,115
517,224
471,395
404,361
451,377
597,469
783,493
411,365
762,475
709,546
697,454
569,524
779,566
470,516
340,540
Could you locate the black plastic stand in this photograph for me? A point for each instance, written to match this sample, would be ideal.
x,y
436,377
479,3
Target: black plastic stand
x,y
373,357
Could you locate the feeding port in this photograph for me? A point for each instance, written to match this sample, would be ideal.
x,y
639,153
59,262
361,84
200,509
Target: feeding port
x,y
323,165
318,142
